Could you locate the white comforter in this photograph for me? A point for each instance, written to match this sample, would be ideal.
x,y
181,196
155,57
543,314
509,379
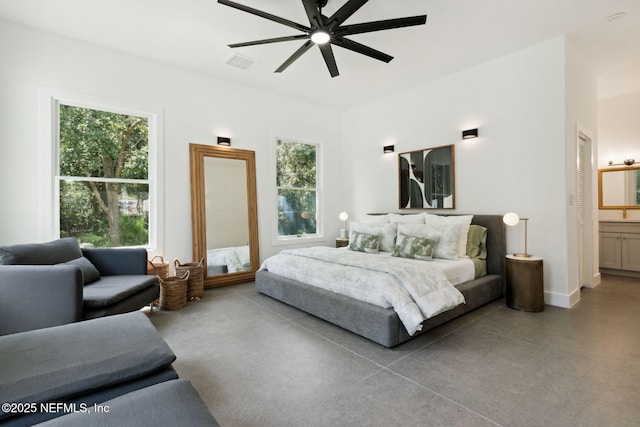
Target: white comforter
x,y
415,289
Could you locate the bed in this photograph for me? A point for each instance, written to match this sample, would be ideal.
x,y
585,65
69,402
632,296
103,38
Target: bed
x,y
383,324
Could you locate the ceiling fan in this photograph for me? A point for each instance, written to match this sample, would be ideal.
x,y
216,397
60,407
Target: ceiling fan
x,y
326,31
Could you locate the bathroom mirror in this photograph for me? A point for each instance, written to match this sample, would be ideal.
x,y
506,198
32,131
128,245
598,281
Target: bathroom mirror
x,y
619,188
426,178
224,215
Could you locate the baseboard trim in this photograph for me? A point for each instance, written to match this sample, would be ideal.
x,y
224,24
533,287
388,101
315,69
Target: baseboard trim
x,y
562,300
624,273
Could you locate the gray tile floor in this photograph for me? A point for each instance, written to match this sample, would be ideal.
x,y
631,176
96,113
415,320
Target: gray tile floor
x,y
258,362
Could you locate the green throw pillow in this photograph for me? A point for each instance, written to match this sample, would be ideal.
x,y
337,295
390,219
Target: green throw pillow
x,y
477,242
363,242
414,247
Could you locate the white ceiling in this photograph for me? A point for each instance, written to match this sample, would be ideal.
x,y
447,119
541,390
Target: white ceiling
x,y
459,33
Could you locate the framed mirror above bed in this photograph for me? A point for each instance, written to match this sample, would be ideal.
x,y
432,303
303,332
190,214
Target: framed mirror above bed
x,y
426,178
224,214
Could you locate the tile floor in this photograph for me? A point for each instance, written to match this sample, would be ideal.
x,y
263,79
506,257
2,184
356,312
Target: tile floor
x,y
258,362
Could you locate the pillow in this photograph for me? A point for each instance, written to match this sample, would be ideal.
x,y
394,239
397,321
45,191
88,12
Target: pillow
x,y
414,219
446,235
387,233
363,242
465,220
477,242
374,219
89,272
414,247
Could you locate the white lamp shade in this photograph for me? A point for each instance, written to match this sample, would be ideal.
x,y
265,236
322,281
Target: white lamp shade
x,y
343,216
511,219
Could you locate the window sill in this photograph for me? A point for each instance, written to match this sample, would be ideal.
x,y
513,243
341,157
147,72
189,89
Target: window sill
x,y
299,240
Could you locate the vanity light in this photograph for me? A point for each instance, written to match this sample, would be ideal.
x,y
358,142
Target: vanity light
x,y
512,219
470,133
626,162
222,140
388,149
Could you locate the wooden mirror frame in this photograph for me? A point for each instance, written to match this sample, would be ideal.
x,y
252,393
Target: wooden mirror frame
x,y
624,208
197,154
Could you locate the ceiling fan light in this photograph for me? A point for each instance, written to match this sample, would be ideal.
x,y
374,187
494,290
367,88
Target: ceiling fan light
x,y
320,37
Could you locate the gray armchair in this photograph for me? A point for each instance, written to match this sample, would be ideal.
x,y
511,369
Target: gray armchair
x,y
54,283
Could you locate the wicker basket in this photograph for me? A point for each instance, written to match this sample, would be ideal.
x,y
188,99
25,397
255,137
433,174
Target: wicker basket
x,y
173,292
160,269
195,288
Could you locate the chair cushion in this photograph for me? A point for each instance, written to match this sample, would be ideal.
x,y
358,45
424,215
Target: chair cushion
x,y
112,289
49,253
46,365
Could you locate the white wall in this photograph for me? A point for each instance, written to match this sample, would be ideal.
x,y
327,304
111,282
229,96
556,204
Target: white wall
x,y
517,164
619,127
196,107
581,118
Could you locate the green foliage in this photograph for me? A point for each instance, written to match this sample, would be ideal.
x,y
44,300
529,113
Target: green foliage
x,y
296,180
101,144
297,212
134,229
296,165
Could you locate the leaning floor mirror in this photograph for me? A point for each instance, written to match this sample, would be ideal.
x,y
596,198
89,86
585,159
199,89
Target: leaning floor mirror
x,y
224,214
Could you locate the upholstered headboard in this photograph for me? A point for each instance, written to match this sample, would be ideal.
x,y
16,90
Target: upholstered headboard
x,y
496,242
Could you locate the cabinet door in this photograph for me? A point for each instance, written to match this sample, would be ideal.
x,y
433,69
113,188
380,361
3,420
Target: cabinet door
x,y
630,252
610,250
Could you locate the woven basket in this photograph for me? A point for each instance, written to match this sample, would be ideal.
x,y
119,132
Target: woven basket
x,y
195,288
173,292
160,269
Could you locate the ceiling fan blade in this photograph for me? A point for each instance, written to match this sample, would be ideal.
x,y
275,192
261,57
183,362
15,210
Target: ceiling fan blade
x,y
386,24
297,54
342,14
315,18
360,48
265,15
329,59
274,40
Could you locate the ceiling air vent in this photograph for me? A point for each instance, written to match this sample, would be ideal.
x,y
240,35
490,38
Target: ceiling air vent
x,y
241,61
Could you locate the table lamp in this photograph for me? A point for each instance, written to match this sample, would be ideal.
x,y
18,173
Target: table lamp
x,y
512,219
343,217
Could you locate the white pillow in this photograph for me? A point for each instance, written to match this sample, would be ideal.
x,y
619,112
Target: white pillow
x,y
413,219
465,220
387,233
374,219
445,234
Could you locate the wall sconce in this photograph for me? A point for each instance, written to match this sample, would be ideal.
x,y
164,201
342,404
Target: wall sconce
x,y
626,162
512,219
223,140
343,217
470,133
388,149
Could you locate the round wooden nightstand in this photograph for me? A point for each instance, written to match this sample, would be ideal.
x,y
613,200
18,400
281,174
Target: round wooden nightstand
x,y
525,285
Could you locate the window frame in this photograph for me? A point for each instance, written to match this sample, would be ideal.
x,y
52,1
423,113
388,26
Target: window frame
x,y
51,100
318,236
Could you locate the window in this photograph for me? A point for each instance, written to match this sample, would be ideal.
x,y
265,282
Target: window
x,y
102,179
298,189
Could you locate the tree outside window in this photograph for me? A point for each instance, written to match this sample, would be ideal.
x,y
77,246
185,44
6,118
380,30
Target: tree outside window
x,y
103,177
296,175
